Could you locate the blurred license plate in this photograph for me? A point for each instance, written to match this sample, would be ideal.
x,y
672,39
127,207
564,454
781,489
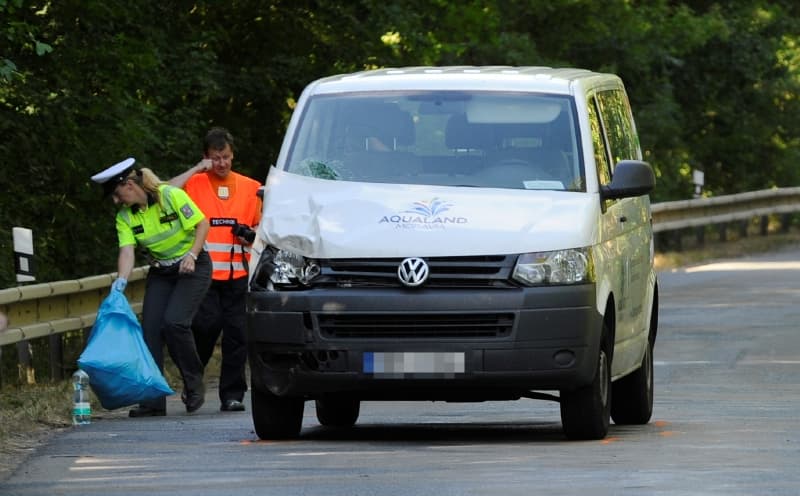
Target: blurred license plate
x,y
398,364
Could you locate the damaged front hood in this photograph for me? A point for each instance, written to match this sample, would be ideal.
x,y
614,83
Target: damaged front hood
x,y
321,218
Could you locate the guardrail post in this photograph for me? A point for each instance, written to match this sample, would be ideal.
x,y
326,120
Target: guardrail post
x,y
786,222
743,225
764,225
56,358
668,240
3,325
27,375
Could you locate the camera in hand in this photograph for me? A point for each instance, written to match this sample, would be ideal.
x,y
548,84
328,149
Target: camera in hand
x,y
243,231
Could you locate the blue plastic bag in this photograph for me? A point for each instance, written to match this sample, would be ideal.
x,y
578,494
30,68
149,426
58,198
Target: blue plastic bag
x,y
121,369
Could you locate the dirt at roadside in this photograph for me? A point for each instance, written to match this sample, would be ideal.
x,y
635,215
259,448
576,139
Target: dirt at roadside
x,y
18,447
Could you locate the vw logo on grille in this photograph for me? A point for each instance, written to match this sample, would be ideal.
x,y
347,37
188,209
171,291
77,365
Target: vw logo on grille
x,y
413,271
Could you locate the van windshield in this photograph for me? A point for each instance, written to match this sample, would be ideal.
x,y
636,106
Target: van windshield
x,y
445,138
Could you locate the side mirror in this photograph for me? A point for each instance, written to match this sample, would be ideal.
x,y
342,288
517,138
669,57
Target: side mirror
x,y
631,178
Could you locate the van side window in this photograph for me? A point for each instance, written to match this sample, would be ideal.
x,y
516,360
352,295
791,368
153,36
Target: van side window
x,y
598,142
618,123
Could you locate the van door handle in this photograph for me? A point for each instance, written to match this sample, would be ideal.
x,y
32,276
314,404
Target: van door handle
x,y
623,219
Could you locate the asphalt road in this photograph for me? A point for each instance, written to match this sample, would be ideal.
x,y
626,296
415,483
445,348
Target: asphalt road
x,y
725,422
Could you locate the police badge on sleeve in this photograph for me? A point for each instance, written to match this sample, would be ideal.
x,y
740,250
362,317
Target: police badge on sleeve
x,y
187,211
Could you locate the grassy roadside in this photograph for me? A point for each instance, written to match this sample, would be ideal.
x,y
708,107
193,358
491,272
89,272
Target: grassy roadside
x,y
29,414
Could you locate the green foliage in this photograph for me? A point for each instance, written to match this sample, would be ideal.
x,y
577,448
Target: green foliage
x,y
740,89
86,83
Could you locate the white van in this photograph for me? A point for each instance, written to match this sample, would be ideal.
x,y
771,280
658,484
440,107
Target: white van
x,y
456,234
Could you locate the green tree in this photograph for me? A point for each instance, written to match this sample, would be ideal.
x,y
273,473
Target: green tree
x,y
115,85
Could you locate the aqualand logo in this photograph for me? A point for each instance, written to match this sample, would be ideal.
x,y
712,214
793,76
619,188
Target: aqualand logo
x,y
424,215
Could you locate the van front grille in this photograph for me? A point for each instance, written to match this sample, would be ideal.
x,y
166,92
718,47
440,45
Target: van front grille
x,y
405,325
491,271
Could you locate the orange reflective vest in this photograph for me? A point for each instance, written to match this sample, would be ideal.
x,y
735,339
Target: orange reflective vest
x,y
228,255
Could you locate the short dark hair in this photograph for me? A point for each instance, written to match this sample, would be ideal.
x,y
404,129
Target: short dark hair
x,y
216,139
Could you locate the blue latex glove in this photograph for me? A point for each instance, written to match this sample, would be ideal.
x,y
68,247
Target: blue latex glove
x,y
119,284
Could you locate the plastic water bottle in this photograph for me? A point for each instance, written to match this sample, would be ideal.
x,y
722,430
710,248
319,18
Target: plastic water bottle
x,y
81,408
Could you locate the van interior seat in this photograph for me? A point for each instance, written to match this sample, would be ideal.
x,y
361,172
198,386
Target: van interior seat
x,y
461,135
378,135
468,144
382,121
523,153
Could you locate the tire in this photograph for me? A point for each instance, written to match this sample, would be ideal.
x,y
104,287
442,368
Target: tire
x,y
275,417
633,394
333,412
586,412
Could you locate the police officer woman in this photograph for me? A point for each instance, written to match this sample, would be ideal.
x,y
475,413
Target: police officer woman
x,y
167,224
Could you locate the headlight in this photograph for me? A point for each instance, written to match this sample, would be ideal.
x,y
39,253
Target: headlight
x,y
281,269
554,267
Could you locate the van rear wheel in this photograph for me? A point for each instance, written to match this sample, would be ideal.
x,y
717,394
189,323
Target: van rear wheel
x,y
633,394
586,412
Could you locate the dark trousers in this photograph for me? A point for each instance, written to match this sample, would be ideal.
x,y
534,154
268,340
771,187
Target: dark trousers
x,y
171,300
223,312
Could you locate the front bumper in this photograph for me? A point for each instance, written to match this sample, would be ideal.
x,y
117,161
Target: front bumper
x,y
506,342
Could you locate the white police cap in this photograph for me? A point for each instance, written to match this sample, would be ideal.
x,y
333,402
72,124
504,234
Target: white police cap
x,y
114,175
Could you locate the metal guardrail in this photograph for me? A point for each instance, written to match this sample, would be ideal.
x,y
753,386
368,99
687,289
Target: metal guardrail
x,y
42,310
674,215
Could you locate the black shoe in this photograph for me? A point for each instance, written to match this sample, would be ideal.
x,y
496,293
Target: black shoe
x,y
143,411
232,406
194,400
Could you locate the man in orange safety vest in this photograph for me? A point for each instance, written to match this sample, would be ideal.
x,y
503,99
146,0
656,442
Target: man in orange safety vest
x,y
230,202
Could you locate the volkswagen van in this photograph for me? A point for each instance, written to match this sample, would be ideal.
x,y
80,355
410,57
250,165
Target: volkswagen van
x,y
455,234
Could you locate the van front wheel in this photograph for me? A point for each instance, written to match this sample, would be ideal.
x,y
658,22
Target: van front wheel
x,y
275,417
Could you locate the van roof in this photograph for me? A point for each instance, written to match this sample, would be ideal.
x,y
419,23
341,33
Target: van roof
x,y
507,78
